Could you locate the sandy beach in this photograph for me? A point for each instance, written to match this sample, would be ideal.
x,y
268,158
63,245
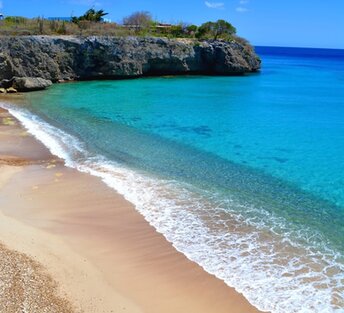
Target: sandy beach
x,y
88,246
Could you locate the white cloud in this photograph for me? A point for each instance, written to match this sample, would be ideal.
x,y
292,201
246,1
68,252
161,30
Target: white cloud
x,y
241,9
1,5
243,2
215,5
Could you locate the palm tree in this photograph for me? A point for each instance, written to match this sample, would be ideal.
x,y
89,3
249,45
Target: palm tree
x,y
99,15
91,15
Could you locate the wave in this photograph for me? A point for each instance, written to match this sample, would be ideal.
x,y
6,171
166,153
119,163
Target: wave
x,y
247,247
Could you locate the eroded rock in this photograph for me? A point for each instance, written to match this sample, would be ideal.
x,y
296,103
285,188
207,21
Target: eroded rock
x,y
63,58
24,84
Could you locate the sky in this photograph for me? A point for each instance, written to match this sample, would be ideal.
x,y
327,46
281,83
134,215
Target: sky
x,y
292,23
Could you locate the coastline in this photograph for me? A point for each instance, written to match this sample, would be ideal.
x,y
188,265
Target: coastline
x,y
100,250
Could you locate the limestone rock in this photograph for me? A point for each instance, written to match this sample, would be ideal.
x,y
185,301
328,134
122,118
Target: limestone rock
x,y
57,58
11,90
30,83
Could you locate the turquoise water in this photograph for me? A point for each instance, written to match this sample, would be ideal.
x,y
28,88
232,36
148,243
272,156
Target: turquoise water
x,y
244,175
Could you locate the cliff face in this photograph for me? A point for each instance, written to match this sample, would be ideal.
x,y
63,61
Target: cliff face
x,y
67,58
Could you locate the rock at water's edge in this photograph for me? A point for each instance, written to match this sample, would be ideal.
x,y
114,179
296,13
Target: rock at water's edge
x,y
11,90
30,83
57,58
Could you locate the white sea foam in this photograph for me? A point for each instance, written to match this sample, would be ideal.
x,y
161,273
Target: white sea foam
x,y
227,239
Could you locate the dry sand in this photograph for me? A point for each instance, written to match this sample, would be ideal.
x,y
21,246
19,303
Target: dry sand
x,y
103,254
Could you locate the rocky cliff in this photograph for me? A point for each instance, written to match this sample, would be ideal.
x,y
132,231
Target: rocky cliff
x,y
69,58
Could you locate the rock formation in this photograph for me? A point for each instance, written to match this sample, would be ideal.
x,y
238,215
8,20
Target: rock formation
x,y
58,58
30,83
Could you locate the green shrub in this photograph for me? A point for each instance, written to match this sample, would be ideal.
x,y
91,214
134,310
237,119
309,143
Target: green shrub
x,y
220,29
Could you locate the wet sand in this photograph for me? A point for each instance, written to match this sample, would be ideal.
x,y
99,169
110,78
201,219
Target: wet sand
x,y
102,253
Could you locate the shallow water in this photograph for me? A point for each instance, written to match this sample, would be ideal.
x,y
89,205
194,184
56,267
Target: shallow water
x,y
244,175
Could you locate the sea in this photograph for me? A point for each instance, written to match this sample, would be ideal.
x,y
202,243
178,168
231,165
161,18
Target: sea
x,y
243,175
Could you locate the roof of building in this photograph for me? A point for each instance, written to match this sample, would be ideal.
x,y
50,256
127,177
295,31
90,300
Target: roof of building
x,y
60,18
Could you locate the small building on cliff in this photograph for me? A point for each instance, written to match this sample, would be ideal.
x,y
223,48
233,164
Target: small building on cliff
x,y
60,18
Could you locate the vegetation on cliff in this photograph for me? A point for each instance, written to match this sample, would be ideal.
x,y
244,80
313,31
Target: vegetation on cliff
x,y
90,15
92,23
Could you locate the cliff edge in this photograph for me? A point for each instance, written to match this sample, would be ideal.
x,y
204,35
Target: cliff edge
x,y
59,58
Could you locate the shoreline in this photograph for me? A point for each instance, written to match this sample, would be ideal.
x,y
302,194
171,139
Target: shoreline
x,y
98,227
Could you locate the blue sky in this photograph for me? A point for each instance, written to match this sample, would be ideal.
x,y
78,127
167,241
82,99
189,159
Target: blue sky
x,y
298,23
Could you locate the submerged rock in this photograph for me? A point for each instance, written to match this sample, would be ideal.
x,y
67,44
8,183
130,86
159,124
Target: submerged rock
x,y
57,58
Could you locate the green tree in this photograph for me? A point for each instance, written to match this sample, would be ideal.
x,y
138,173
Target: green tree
x,y
139,21
90,15
216,30
177,30
192,28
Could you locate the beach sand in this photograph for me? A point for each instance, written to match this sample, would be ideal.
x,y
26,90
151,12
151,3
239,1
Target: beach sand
x,y
100,253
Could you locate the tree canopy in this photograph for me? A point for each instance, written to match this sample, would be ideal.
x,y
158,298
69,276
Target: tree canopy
x,y
140,20
216,30
90,15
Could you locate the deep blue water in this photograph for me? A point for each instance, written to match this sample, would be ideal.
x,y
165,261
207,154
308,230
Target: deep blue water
x,y
266,149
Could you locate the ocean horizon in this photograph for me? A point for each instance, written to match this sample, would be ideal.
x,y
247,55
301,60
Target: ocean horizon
x,y
243,175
